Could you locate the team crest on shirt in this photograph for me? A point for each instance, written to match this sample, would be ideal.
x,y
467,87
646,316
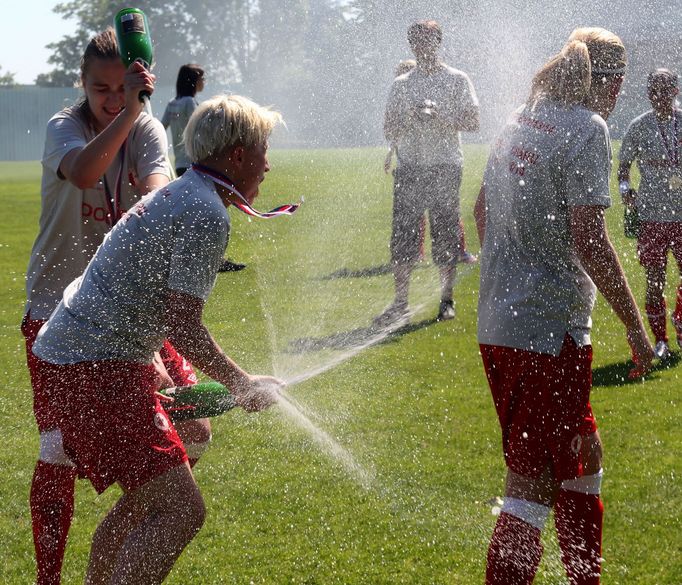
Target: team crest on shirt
x,y
161,422
576,444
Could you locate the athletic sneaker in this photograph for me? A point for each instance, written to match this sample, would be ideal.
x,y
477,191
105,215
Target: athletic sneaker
x,y
677,325
467,257
446,311
662,351
230,266
393,316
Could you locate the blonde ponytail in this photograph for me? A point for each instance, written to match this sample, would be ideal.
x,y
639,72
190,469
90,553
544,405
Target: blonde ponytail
x,y
590,54
566,77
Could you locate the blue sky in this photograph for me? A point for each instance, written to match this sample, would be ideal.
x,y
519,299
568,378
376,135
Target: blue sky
x,y
27,28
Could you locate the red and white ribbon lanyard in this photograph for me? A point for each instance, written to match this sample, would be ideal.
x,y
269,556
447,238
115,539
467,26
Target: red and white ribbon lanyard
x,y
114,199
671,146
243,204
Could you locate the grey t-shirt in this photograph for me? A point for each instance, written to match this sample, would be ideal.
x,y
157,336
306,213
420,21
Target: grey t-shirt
x,y
173,239
533,288
73,221
643,143
177,114
429,140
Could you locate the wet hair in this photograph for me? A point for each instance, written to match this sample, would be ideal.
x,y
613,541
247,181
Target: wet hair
x,y
405,66
662,78
188,78
424,32
225,121
101,46
590,54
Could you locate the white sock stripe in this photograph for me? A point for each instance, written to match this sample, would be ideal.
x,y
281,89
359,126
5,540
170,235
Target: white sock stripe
x,y
587,484
52,449
531,512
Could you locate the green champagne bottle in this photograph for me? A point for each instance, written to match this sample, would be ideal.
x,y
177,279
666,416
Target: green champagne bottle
x,y
133,38
203,400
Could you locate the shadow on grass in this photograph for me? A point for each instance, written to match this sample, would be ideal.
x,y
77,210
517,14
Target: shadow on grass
x,y
617,374
370,271
355,338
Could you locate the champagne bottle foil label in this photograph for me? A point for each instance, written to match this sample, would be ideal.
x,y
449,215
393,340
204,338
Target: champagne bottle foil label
x,y
132,22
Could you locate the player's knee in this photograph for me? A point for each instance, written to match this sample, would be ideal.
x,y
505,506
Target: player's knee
x,y
592,454
52,449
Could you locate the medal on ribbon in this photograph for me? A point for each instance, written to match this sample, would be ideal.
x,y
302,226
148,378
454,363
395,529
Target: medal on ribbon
x,y
242,204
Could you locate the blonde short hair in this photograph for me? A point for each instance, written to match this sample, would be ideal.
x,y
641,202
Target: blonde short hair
x,y
225,121
590,53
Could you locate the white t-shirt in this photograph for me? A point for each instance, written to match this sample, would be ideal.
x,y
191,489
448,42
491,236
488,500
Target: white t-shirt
x,y
643,143
177,114
533,288
430,140
173,239
73,221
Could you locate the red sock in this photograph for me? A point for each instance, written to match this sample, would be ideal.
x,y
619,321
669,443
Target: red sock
x,y
514,553
656,315
578,518
51,512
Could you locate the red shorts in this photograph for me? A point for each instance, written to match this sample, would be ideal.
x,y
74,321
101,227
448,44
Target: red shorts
x,y
656,239
45,420
543,405
179,369
113,426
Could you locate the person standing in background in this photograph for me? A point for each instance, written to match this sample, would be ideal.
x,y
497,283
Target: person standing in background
x,y
190,81
653,141
426,110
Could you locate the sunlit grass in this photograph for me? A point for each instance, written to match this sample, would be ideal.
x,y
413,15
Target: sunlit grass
x,y
413,411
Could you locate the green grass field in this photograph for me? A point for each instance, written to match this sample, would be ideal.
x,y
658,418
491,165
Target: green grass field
x,y
413,412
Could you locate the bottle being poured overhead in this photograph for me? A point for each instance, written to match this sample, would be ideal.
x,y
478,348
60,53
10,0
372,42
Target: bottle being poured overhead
x,y
134,42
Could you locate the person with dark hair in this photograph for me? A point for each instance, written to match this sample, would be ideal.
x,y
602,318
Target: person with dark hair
x,y
100,157
190,81
178,111
426,110
545,253
653,141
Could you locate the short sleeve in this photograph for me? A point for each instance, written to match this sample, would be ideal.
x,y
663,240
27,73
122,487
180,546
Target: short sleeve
x,y
63,135
629,145
149,153
587,172
200,241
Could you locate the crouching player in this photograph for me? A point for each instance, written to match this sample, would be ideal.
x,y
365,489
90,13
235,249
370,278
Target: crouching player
x,y
149,281
540,216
